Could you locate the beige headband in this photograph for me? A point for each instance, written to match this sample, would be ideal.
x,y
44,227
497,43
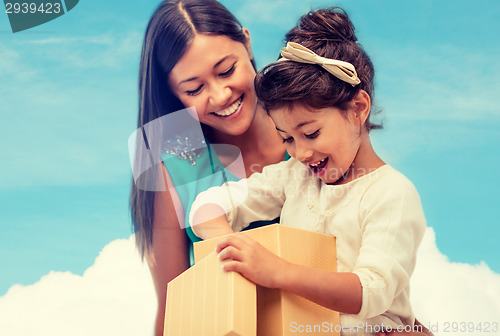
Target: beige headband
x,y
344,71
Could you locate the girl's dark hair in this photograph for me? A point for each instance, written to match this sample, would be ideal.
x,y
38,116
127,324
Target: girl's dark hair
x,y
329,33
169,34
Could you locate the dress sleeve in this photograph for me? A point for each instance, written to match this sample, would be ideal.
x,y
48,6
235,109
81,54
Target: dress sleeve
x,y
392,226
260,197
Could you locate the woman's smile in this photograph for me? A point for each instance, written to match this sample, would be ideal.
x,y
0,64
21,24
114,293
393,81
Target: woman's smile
x,y
219,85
231,110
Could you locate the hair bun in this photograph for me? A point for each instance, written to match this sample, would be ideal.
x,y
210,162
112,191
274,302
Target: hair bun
x,y
328,24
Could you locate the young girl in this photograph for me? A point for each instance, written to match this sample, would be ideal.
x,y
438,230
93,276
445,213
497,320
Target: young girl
x,y
319,96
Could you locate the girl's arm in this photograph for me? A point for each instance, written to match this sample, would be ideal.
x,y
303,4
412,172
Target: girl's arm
x,y
392,227
232,206
338,291
169,255
216,225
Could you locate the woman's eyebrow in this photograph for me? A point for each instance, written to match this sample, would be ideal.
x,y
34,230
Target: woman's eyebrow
x,y
222,60
187,80
215,66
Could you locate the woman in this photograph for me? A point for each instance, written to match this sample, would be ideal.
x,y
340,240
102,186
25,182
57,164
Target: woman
x,y
195,54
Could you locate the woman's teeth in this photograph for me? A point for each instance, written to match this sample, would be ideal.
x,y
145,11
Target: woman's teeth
x,y
231,109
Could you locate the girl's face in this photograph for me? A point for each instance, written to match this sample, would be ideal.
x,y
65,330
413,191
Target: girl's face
x,y
216,76
324,140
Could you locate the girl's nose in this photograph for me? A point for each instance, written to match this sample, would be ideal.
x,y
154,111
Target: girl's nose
x,y
303,153
220,95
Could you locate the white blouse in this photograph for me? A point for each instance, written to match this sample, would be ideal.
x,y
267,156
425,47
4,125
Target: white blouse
x,y
377,220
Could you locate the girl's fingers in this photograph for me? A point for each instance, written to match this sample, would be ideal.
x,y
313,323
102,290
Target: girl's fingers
x,y
236,239
223,243
230,253
231,266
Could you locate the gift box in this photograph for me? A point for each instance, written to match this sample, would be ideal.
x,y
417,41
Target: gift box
x,y
205,300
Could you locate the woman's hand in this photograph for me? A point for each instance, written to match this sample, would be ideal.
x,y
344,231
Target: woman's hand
x,y
244,255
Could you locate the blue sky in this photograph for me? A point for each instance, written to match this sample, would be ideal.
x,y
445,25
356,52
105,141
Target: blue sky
x,y
69,103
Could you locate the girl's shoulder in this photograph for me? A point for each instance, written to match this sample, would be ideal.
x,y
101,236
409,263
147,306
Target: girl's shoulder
x,y
288,168
394,178
389,173
387,183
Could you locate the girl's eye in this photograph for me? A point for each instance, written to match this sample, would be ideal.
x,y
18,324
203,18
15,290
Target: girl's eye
x,y
312,135
228,72
195,91
288,140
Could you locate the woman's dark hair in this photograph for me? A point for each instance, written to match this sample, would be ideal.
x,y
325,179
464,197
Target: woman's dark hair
x,y
329,33
169,34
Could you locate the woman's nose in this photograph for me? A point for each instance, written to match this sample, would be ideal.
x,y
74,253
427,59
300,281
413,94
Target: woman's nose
x,y
220,95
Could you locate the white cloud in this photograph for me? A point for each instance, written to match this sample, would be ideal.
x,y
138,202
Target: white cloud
x,y
438,83
115,296
53,55
74,123
105,39
104,51
277,13
446,295
13,67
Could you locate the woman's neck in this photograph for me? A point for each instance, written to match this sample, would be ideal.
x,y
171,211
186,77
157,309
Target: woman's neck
x,y
259,137
260,145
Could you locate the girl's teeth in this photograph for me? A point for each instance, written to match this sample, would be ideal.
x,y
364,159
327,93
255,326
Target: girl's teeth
x,y
229,110
319,166
317,163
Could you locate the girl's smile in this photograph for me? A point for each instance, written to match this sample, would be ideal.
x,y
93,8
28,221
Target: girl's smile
x,y
319,167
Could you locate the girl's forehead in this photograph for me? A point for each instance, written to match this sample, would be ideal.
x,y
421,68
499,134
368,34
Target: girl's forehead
x,y
297,112
294,116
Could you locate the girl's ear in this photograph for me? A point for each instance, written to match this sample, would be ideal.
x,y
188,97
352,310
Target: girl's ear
x,y
361,104
248,43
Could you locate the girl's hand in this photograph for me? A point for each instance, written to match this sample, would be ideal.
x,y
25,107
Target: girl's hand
x,y
405,333
418,326
244,255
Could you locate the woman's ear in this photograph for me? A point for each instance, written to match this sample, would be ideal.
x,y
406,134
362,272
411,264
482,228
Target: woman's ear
x,y
248,43
361,104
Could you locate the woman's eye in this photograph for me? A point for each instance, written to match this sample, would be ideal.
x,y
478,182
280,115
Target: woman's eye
x,y
195,91
312,135
288,140
228,72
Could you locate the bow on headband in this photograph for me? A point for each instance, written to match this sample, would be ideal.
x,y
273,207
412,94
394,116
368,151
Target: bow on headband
x,y
344,71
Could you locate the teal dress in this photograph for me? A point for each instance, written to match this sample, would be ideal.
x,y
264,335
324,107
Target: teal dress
x,y
196,172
